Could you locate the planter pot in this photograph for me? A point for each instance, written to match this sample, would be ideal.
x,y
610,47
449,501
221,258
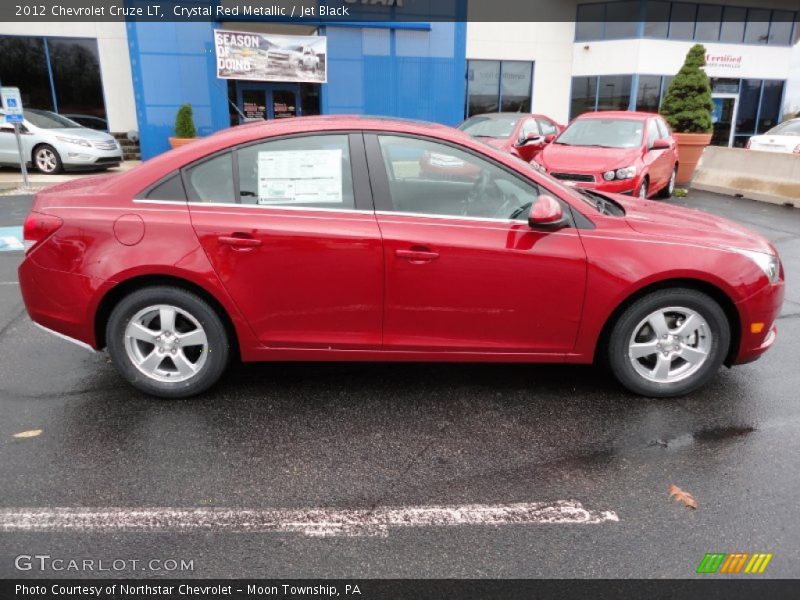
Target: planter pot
x,y
690,149
176,142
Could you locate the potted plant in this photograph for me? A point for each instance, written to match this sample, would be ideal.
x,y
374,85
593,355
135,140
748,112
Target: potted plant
x,y
687,107
185,131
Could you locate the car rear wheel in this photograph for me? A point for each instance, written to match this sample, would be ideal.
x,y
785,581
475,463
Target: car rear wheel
x,y
167,342
47,160
669,189
669,343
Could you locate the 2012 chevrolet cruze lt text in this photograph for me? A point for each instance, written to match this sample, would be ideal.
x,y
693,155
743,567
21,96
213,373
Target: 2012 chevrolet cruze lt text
x,y
321,238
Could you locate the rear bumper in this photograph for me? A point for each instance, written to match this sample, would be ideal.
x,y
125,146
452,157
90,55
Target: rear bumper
x,y
761,308
59,301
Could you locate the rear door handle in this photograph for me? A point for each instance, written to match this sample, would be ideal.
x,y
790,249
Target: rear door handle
x,y
239,241
417,255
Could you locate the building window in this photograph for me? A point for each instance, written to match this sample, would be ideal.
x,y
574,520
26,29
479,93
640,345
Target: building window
x,y
76,87
494,85
756,30
620,21
769,113
76,74
614,92
584,95
23,64
748,106
682,20
648,93
656,19
709,19
590,24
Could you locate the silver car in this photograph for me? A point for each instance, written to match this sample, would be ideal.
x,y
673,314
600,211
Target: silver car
x,y
52,143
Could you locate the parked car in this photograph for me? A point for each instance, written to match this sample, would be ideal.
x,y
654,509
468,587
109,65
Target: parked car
x,y
311,239
53,143
615,151
296,57
523,135
90,121
781,138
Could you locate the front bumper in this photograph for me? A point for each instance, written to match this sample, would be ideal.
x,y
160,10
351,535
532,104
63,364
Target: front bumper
x,y
75,157
618,186
761,308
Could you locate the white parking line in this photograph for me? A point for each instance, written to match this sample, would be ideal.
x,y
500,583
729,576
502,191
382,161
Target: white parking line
x,y
316,522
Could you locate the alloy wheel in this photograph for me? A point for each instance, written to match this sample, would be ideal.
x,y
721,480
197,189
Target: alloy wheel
x,y
46,160
670,344
166,343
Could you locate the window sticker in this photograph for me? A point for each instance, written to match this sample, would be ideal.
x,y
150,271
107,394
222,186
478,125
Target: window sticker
x,y
300,176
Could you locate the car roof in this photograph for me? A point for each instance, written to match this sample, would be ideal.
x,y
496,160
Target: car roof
x,y
617,114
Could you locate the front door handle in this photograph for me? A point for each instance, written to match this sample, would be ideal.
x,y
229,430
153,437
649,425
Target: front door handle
x,y
239,241
417,254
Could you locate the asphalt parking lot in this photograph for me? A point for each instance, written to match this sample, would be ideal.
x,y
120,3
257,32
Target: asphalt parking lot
x,y
367,437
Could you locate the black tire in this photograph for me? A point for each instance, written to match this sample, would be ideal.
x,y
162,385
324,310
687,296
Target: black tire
x,y
666,192
52,157
218,344
623,330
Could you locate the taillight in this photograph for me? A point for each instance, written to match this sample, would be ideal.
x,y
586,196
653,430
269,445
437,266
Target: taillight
x,y
38,227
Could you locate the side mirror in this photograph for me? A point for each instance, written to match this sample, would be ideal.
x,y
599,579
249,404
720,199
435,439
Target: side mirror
x,y
549,138
660,144
546,213
531,138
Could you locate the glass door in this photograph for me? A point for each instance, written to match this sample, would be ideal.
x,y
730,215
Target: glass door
x,y
260,101
723,116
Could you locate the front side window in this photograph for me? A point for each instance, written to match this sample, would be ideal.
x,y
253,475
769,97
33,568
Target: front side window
x,y
431,178
308,171
604,133
547,127
528,127
786,128
652,134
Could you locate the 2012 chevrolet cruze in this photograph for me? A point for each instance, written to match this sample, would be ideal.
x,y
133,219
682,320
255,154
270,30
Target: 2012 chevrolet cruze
x,y
321,238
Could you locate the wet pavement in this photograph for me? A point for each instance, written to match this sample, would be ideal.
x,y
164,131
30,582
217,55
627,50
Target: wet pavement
x,y
368,437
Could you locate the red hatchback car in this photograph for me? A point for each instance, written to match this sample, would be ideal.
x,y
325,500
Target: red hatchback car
x,y
320,238
519,134
615,151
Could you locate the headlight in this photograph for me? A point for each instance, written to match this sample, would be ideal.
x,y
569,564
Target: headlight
x,y
626,173
609,175
768,263
72,140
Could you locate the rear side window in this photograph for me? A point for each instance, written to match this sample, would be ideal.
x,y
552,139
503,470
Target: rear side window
x,y
309,171
211,180
170,189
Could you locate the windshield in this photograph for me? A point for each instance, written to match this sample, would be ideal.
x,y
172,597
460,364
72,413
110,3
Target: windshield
x,y
605,133
786,128
44,119
494,127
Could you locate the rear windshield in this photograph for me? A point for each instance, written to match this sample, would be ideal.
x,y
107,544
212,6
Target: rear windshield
x,y
603,133
494,127
786,128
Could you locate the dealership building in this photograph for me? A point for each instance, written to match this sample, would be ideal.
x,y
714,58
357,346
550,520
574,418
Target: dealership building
x,y
603,55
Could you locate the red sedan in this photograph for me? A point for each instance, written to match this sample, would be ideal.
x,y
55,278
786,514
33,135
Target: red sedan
x,y
319,239
519,134
615,151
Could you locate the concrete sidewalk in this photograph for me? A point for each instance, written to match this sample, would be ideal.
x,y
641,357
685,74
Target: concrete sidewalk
x,y
11,178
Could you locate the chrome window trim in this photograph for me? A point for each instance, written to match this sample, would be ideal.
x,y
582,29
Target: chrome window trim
x,y
456,217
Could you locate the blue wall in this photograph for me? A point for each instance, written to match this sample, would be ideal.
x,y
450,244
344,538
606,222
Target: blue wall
x,y
411,73
173,63
414,72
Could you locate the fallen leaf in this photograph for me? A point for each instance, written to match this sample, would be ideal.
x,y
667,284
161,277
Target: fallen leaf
x,y
681,496
28,434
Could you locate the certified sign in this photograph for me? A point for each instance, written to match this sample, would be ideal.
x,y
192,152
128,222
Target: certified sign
x,y
12,104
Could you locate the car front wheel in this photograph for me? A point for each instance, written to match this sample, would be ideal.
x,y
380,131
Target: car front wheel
x,y
167,342
669,343
47,160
